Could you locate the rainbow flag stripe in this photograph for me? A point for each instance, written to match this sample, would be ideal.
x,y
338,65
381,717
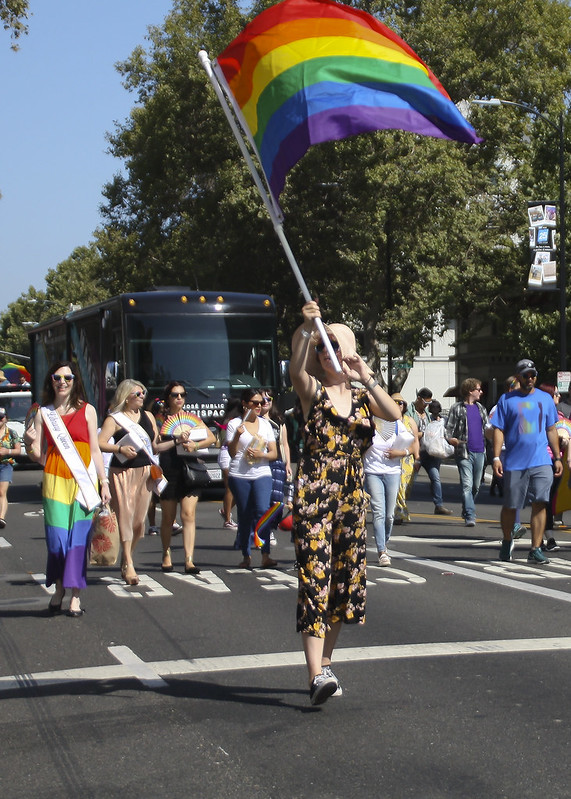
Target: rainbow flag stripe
x,y
310,71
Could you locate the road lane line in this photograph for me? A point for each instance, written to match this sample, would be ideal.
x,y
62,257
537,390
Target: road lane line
x,y
137,667
505,582
151,673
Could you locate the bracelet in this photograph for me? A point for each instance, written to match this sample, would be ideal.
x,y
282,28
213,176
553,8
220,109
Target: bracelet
x,y
103,480
406,453
372,383
496,458
305,333
557,459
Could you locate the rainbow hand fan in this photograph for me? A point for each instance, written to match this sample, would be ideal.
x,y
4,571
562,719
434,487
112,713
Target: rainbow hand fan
x,y
31,415
180,423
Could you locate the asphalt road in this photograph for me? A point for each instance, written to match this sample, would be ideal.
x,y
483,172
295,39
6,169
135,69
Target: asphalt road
x,y
457,686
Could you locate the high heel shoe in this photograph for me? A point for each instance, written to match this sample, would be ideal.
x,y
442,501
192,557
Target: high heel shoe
x,y
130,579
167,567
53,607
190,568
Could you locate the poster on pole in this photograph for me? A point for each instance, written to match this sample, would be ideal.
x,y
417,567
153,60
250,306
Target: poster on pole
x,y
542,219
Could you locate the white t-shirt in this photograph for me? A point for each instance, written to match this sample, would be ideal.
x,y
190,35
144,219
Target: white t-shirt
x,y
375,459
239,466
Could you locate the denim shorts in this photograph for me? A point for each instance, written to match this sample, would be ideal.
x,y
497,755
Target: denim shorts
x,y
6,471
534,483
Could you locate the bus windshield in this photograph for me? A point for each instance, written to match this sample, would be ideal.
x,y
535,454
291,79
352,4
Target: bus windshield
x,y
208,352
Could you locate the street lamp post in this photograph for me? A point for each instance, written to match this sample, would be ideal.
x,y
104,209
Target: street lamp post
x,y
495,101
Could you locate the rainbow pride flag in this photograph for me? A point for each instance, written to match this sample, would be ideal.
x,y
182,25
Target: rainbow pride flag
x,y
309,71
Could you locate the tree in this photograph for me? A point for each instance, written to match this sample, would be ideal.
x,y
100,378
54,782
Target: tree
x,y
73,282
395,232
12,15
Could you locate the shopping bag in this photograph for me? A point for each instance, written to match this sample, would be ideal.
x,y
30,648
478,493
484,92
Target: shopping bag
x,y
104,537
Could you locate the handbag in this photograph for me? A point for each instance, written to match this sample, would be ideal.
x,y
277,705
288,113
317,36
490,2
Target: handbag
x,y
195,474
104,547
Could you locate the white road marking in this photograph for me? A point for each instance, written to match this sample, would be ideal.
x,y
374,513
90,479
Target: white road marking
x,y
503,582
206,579
4,543
151,674
147,587
135,667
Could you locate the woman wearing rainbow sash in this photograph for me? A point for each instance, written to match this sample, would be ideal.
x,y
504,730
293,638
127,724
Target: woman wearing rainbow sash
x,y
62,436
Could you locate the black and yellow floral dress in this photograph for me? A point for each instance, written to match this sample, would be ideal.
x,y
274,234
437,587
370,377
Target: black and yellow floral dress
x,y
330,513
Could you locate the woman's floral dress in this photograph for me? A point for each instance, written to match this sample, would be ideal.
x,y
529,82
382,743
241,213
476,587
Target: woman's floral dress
x,y
329,515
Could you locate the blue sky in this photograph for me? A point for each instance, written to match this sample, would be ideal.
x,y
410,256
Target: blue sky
x,y
59,95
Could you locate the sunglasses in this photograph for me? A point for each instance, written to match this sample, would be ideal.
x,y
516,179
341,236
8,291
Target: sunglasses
x,y
62,378
178,394
2,415
399,402
138,394
266,400
255,402
321,346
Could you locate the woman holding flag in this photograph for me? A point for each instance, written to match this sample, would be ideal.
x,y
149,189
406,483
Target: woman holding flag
x,y
62,436
330,501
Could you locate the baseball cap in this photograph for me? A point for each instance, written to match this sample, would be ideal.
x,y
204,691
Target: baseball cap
x,y
524,366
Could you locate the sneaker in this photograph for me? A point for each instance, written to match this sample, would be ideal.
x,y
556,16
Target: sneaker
x,y
506,549
537,556
440,510
470,523
273,539
153,530
326,671
384,559
518,530
322,687
551,545
231,525
176,528
558,523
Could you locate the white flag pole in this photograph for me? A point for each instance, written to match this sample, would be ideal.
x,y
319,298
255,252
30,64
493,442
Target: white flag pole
x,y
275,216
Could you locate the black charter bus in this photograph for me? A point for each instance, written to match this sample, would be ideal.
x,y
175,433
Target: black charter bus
x,y
215,343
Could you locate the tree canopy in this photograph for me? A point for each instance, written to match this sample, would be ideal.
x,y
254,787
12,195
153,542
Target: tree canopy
x,y
13,14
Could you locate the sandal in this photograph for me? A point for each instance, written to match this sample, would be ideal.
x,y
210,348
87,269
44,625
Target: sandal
x,y
167,567
53,607
130,578
190,568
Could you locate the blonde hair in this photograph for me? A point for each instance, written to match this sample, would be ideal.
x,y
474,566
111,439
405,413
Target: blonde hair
x,y
124,388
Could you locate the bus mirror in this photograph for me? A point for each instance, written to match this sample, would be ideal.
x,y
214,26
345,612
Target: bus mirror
x,y
285,382
111,372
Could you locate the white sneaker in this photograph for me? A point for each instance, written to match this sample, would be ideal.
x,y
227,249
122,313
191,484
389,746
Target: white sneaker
x,y
273,540
384,559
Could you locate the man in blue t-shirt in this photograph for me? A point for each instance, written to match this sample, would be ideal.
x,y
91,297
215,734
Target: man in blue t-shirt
x,y
525,421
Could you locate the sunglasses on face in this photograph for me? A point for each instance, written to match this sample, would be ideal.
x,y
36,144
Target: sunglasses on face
x,y
266,400
178,394
321,346
2,415
255,402
139,394
399,402
62,378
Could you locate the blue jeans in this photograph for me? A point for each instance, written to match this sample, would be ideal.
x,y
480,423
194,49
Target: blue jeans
x,y
471,470
432,467
252,501
383,489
